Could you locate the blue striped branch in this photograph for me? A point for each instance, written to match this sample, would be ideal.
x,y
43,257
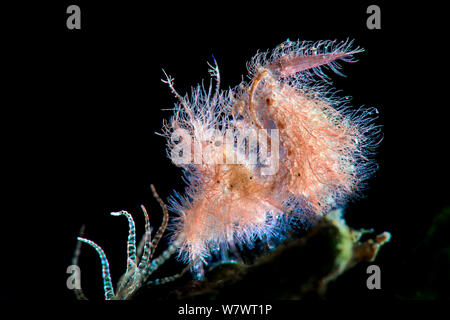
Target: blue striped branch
x,y
107,285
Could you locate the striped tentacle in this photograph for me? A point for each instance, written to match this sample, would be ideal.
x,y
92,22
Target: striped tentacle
x,y
107,285
147,242
131,245
169,279
156,263
164,223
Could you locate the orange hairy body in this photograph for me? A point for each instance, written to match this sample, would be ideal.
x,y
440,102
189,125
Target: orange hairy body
x,y
318,152
231,198
316,139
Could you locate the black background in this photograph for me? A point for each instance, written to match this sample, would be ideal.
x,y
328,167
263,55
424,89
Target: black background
x,y
85,105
